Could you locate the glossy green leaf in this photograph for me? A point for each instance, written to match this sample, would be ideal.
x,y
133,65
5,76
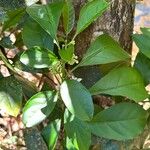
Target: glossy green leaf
x,y
90,12
102,51
77,99
67,54
68,16
40,37
123,81
47,16
38,107
50,133
77,131
37,57
142,64
10,95
14,17
120,122
142,41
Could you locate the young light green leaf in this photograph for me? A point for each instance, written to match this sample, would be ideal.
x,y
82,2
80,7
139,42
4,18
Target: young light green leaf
x,y
50,133
10,95
14,17
37,57
90,12
77,99
67,54
102,51
142,41
68,16
77,131
71,144
120,122
38,107
142,64
47,16
117,83
40,36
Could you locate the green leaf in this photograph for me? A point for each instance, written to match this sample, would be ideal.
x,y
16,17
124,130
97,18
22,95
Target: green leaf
x,y
120,122
39,107
90,12
67,54
142,64
37,57
50,133
68,16
77,99
77,130
40,37
47,16
71,144
123,81
102,51
146,31
14,17
142,41
10,95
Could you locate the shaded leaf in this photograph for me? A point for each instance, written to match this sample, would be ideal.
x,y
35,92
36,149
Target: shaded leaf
x,y
40,37
47,16
90,12
38,107
68,16
37,57
10,95
102,51
120,122
123,81
142,63
14,16
50,133
142,41
77,99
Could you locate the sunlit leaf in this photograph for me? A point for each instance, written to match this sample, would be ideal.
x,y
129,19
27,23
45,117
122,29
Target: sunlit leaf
x,y
37,57
38,107
51,132
47,16
10,95
77,99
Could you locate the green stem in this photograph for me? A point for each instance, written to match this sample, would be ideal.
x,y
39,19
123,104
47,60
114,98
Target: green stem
x,y
6,62
73,69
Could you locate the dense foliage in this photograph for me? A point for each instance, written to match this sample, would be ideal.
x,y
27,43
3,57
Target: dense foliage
x,y
66,102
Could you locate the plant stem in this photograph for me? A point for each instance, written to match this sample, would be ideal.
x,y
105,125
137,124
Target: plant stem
x,y
7,63
73,69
